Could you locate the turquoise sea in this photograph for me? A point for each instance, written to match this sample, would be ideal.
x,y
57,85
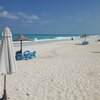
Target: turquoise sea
x,y
46,37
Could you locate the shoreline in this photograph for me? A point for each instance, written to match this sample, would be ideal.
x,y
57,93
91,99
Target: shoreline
x,y
17,43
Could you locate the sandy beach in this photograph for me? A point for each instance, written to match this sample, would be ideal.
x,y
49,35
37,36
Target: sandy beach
x,y
62,70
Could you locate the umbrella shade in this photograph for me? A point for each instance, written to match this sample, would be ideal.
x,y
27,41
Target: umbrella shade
x,y
7,57
21,38
84,36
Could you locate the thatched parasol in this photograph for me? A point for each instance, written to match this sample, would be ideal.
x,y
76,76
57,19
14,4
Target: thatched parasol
x,y
84,36
21,38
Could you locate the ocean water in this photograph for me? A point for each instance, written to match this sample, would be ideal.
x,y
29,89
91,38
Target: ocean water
x,y
46,37
50,37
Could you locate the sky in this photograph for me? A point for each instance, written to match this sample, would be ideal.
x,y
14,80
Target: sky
x,y
50,16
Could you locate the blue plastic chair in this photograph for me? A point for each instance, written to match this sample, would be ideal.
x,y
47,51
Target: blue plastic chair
x,y
19,56
29,55
85,42
26,55
32,54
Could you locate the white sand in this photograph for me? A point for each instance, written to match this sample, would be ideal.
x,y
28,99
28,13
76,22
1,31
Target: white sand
x,y
63,70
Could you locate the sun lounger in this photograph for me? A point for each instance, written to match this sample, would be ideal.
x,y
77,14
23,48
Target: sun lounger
x,y
19,56
29,55
85,42
26,55
32,54
98,40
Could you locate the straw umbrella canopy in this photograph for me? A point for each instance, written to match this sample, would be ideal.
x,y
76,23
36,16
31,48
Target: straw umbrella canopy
x,y
7,57
84,36
21,38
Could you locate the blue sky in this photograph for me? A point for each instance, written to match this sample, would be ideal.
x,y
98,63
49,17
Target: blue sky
x,y
50,16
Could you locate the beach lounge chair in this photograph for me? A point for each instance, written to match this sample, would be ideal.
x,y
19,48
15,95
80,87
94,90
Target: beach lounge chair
x,y
85,42
26,55
32,54
98,40
29,55
19,56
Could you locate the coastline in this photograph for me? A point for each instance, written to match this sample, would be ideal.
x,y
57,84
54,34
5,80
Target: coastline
x,y
62,70
45,41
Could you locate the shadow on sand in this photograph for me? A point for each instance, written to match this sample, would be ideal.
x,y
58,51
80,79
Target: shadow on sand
x,y
1,98
78,44
96,52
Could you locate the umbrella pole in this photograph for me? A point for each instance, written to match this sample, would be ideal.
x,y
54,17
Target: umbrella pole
x,y
5,95
85,38
21,46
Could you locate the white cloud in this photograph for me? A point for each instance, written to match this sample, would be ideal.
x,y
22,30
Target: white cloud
x,y
22,14
8,15
18,15
29,19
